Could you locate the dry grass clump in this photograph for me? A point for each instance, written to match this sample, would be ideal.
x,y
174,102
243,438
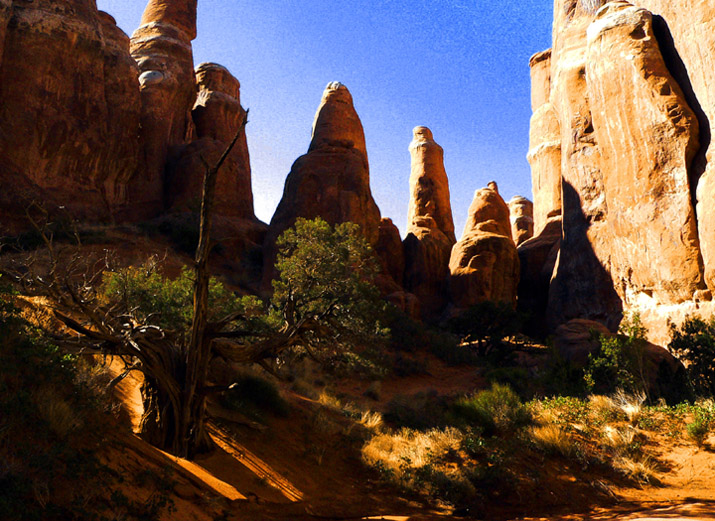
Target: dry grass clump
x,y
62,419
552,439
371,420
409,449
642,470
629,404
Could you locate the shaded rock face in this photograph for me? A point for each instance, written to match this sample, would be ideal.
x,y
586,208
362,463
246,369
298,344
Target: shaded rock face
x,y
537,259
217,116
430,227
162,50
484,265
521,212
331,181
68,132
627,112
389,250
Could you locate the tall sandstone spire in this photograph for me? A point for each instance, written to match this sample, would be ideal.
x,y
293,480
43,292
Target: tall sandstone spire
x,y
163,52
332,180
430,226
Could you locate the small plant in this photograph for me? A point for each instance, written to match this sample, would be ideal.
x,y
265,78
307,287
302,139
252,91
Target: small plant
x,y
703,418
497,410
423,410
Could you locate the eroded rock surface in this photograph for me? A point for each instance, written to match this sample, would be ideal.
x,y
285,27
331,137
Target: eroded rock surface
x,y
217,116
70,111
430,226
484,265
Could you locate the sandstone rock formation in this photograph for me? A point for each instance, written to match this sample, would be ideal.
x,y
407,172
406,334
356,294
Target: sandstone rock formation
x,y
430,227
629,110
389,250
521,212
544,144
484,265
653,239
70,111
537,259
578,338
217,116
162,50
332,180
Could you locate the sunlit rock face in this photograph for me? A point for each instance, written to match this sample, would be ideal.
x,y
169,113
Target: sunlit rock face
x,y
332,180
162,50
544,144
630,105
70,111
430,227
521,212
484,265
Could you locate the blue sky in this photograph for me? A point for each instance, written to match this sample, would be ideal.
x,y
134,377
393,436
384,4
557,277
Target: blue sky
x,y
459,67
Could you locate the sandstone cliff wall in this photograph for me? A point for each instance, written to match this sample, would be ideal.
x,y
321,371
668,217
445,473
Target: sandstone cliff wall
x,y
628,115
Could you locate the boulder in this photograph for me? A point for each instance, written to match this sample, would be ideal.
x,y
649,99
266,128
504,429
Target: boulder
x,y
484,265
70,111
163,52
331,181
217,116
430,227
521,212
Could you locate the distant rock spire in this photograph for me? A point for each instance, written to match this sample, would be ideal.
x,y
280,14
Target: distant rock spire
x,y
336,121
430,227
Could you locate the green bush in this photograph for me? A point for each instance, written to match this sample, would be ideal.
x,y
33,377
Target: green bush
x,y
52,424
169,302
497,410
620,361
694,344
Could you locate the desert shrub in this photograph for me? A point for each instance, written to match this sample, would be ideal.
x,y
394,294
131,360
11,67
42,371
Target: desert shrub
x,y
703,420
619,362
694,344
253,396
421,411
497,410
487,324
447,348
517,378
